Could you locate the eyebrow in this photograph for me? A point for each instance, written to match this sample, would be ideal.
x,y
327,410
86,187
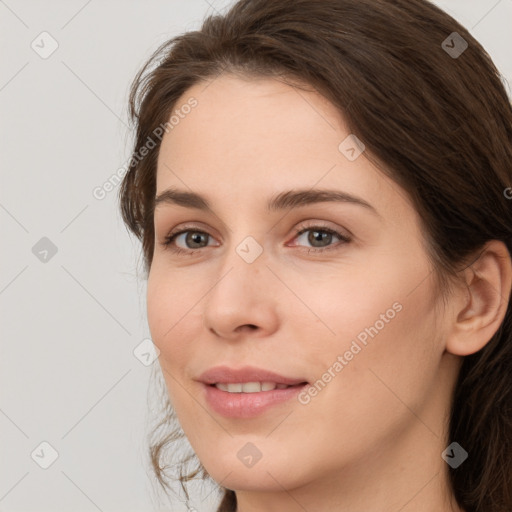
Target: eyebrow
x,y
282,201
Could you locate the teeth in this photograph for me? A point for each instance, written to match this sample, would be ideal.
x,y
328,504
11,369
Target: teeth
x,y
250,387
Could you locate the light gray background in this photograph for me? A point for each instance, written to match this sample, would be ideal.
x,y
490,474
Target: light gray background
x,y
68,374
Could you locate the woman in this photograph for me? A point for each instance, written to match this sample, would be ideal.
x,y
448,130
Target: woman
x,y
320,188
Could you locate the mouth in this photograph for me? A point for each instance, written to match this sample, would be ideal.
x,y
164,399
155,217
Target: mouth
x,y
253,387
248,391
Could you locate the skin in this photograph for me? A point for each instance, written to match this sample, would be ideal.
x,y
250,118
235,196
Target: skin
x,y
372,439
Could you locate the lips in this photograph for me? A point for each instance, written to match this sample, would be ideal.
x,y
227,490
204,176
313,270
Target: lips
x,y
246,374
247,392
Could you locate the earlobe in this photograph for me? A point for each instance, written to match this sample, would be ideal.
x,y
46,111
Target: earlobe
x,y
485,299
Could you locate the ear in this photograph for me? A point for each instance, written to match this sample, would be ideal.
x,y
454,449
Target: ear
x,y
482,303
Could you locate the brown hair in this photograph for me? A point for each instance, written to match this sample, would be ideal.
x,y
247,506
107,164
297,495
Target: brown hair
x,y
439,125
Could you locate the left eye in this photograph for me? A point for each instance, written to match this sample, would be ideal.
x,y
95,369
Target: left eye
x,y
320,237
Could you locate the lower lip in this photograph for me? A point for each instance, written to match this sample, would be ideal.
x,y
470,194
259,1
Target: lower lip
x,y
247,405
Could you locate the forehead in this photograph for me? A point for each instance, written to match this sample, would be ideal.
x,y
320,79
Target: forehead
x,y
234,114
262,136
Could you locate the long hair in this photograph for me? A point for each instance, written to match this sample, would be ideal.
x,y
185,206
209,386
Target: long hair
x,y
433,113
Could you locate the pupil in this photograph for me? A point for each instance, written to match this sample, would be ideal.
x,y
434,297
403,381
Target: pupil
x,y
195,237
319,236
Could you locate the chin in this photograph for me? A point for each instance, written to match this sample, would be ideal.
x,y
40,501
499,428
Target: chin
x,y
264,475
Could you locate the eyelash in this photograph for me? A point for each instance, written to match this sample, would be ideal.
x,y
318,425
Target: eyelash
x,y
169,239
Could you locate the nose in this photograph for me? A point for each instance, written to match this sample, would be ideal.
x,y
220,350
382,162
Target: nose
x,y
243,300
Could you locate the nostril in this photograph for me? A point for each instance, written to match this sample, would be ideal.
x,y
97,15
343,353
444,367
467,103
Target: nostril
x,y
252,327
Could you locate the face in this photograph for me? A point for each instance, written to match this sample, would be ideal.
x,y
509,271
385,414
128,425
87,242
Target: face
x,y
336,292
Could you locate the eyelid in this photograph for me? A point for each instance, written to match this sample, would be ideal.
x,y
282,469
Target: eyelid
x,y
188,227
343,233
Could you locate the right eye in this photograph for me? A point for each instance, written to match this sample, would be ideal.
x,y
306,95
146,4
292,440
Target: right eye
x,y
190,238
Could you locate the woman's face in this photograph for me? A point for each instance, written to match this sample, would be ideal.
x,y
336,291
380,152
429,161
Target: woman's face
x,y
347,306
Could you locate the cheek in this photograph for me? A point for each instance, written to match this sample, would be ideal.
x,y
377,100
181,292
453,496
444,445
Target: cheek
x,y
171,315
387,338
380,315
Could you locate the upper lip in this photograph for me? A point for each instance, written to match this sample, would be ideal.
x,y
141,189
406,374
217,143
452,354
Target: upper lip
x,y
227,375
